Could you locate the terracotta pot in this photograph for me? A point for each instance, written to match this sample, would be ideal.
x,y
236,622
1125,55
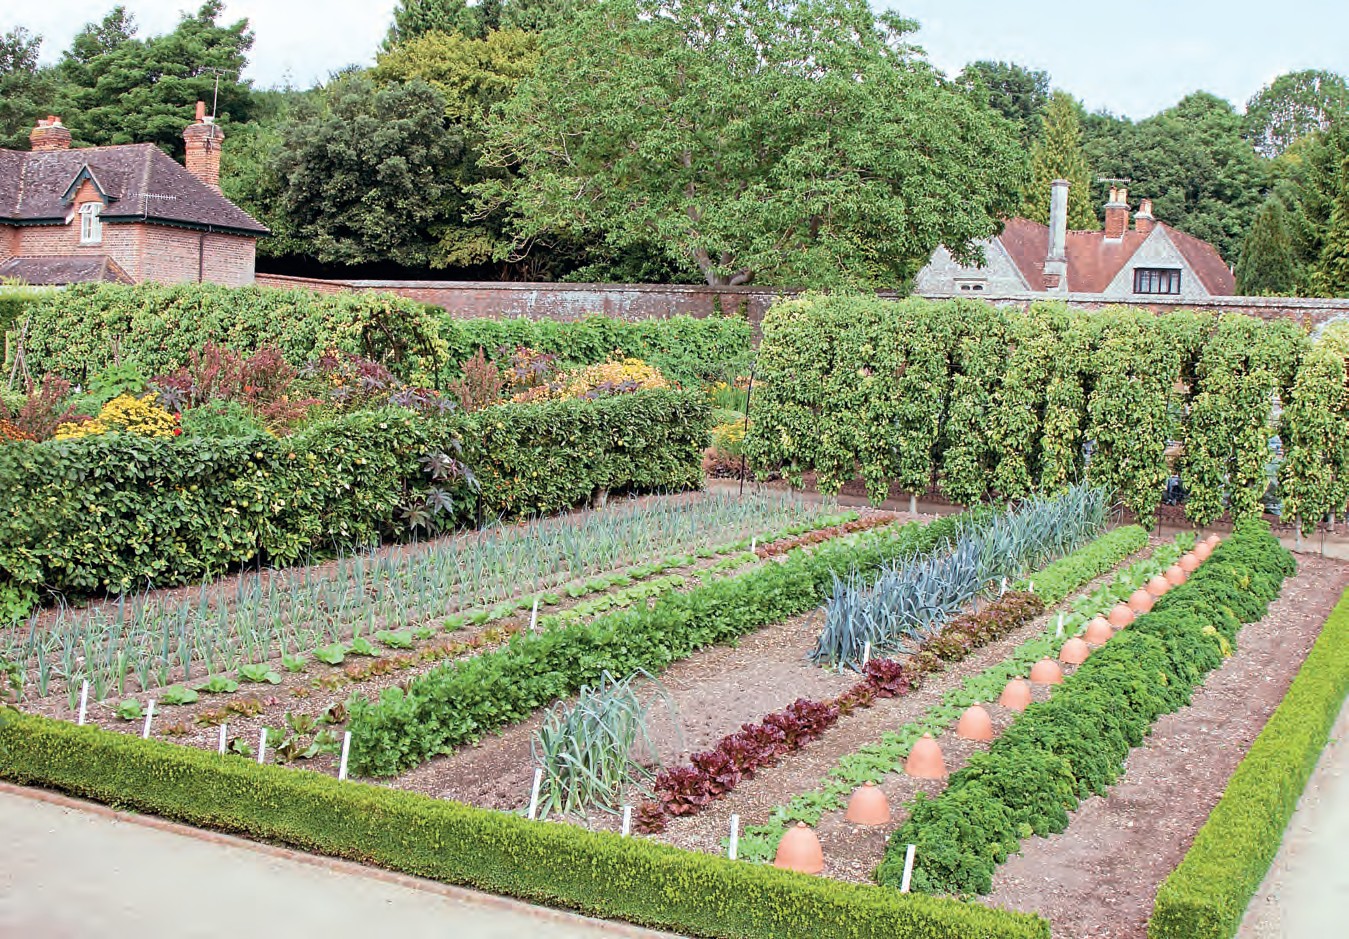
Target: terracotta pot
x,y
799,850
1189,563
1074,652
868,806
1140,601
1202,551
1213,541
975,724
1046,672
1158,586
1016,696
925,760
1175,575
1120,616
1098,632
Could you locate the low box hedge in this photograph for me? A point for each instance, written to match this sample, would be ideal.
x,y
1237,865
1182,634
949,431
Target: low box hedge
x,y
461,701
1206,896
591,872
121,512
1074,745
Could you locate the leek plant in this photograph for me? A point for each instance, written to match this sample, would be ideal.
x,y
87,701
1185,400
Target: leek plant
x,y
911,598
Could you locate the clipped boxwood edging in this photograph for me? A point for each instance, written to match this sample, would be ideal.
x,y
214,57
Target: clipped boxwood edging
x,y
460,701
1074,745
1206,896
592,872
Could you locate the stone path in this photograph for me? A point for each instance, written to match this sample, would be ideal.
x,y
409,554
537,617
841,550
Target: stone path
x,y
70,871
1306,893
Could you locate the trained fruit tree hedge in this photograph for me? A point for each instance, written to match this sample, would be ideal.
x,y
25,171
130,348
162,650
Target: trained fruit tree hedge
x,y
986,401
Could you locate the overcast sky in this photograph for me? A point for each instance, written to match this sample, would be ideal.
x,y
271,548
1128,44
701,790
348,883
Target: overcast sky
x,y
1133,65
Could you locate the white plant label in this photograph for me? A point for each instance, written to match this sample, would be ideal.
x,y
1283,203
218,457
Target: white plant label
x,y
1060,631
534,794
1030,587
908,869
866,653
149,716
262,746
1003,588
734,849
346,752
222,738
534,617
84,702
627,820
754,545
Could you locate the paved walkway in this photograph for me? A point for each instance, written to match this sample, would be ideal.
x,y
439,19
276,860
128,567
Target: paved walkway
x,y
68,872
1306,893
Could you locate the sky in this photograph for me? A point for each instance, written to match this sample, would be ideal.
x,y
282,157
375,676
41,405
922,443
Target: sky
x,y
1132,65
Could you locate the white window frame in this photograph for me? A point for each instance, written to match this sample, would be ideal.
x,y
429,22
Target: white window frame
x,y
91,228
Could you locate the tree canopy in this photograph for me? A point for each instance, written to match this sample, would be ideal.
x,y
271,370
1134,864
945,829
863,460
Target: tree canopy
x,y
1014,91
1292,106
1057,154
803,141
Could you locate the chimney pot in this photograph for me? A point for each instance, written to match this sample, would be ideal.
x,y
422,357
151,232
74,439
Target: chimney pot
x,y
201,111
1117,215
203,139
1056,261
1143,219
49,135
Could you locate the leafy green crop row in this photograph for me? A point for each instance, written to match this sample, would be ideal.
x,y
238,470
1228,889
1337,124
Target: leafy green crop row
x,y
592,872
1206,896
463,700
1074,745
119,513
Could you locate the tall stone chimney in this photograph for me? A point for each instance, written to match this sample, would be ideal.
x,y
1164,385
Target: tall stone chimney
x,y
1143,220
49,134
1117,214
1056,261
203,139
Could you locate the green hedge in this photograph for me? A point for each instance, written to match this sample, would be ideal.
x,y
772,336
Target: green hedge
x,y
1206,896
463,700
1074,745
595,873
118,512
83,329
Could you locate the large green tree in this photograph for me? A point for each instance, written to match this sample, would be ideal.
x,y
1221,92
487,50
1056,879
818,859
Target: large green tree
x,y
116,88
1192,160
413,18
1057,154
1330,274
788,141
1014,91
25,88
1292,106
359,172
1269,262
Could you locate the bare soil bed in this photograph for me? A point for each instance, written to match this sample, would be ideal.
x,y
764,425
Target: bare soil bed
x,y
1099,878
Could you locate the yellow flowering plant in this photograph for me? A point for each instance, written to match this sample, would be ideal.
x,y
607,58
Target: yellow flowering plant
x,y
125,414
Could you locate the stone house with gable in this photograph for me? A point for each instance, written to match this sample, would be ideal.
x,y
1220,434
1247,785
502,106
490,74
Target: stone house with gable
x,y
124,214
1150,261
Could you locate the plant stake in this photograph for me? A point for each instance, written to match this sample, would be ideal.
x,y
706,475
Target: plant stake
x,y
534,794
346,752
908,869
149,716
734,850
84,702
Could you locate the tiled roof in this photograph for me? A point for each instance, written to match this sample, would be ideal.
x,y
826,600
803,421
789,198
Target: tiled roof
x,y
140,180
54,271
1093,261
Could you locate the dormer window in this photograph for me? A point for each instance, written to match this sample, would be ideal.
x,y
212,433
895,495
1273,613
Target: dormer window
x,y
91,229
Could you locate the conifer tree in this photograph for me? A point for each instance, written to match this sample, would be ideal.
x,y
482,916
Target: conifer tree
x,y
1057,154
1330,276
1269,264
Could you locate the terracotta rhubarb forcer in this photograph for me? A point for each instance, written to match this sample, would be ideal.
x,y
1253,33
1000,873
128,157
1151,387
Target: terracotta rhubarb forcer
x,y
1158,586
1120,616
1189,562
1098,632
1074,652
1016,696
799,850
1213,541
1175,575
1046,672
868,806
1202,550
1140,601
925,760
975,724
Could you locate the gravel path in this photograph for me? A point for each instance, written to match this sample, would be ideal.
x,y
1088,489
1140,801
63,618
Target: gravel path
x,y
1099,878
71,872
1306,893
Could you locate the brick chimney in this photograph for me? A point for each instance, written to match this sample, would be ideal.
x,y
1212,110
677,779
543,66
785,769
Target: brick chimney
x,y
49,134
1143,220
1117,214
203,139
1056,261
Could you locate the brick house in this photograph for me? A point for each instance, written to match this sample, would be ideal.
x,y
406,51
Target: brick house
x,y
122,213
1151,261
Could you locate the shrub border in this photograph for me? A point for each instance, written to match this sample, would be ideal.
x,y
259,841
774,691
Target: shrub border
x,y
1206,896
595,873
